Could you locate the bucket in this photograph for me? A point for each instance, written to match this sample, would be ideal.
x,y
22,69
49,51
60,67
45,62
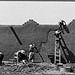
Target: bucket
x,y
68,69
62,69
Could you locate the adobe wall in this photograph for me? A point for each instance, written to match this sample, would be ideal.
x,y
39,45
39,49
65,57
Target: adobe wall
x,y
41,35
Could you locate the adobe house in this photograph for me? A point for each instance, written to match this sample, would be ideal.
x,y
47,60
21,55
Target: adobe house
x,y
41,35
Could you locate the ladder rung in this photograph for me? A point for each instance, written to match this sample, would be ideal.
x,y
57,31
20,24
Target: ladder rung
x,y
57,55
57,51
57,60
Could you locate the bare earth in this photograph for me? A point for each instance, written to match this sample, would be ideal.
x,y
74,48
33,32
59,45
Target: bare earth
x,y
31,69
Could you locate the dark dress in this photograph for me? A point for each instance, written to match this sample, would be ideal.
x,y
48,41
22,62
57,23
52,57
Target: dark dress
x,y
22,56
1,58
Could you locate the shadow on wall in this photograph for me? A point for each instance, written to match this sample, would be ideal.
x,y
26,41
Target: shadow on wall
x,y
70,57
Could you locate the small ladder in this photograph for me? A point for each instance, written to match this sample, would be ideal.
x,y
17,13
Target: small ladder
x,y
57,51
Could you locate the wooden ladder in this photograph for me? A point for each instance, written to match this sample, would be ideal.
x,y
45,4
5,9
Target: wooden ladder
x,y
57,51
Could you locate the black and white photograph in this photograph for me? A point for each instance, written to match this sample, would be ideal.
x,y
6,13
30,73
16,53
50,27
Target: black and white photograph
x,y
37,37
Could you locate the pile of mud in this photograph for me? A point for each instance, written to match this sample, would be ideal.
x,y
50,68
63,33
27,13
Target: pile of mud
x,y
32,69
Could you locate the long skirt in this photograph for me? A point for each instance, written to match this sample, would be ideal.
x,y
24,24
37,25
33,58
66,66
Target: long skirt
x,y
22,57
1,58
31,56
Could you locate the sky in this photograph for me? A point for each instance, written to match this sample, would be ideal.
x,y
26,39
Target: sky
x,y
18,12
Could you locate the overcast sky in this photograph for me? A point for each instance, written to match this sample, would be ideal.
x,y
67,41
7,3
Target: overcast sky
x,y
18,12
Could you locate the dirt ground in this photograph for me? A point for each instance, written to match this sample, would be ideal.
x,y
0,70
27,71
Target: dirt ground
x,y
31,69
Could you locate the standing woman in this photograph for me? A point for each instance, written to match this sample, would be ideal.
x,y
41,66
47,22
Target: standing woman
x,y
1,57
32,52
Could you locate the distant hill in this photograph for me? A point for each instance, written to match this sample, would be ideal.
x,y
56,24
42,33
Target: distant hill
x,y
41,35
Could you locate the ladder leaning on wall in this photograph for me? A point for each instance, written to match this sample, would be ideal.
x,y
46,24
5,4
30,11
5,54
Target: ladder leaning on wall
x,y
57,58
